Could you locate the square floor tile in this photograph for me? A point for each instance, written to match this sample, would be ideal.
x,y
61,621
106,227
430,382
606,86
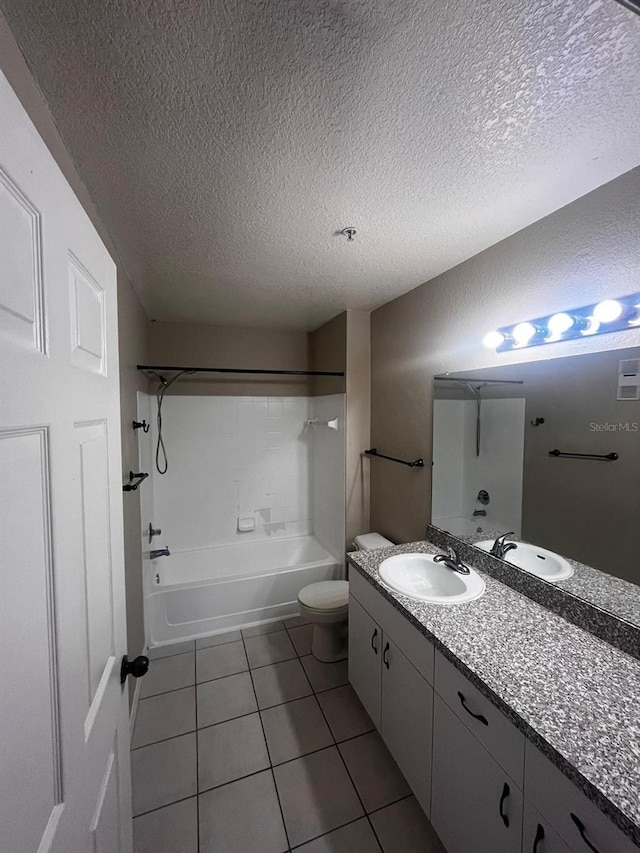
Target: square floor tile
x,y
171,649
295,621
225,698
172,829
243,817
218,639
170,673
324,676
301,638
165,716
281,682
218,661
294,729
356,837
404,828
269,648
374,772
316,795
230,750
344,712
259,630
163,773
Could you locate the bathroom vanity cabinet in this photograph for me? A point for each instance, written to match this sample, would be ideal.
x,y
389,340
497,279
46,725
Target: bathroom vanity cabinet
x,y
483,785
392,673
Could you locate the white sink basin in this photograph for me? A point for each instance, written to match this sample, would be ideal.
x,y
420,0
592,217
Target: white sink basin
x,y
537,561
418,576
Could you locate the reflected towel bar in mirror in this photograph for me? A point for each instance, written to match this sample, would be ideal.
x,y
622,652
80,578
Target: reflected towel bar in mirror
x,y
610,457
132,486
418,463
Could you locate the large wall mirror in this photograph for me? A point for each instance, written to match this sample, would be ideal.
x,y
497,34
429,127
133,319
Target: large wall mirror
x,y
548,452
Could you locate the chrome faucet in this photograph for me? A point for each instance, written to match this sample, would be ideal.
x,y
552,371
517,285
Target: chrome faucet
x,y
478,512
452,561
500,547
160,552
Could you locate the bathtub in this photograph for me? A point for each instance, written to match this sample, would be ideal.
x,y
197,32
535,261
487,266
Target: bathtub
x,y
207,590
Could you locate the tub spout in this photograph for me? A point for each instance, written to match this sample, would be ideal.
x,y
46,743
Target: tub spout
x,y
160,552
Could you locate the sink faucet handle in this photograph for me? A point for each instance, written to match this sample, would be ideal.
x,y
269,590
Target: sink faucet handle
x,y
453,554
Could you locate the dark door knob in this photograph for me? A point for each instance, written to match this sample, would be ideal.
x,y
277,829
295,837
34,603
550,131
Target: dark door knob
x,y
136,668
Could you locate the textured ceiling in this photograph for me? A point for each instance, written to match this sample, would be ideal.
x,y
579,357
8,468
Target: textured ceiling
x,y
225,143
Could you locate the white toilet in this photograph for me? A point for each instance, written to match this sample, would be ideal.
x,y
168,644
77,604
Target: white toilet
x,y
326,606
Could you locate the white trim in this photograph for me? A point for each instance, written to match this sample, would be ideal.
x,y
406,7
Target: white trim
x,y
133,713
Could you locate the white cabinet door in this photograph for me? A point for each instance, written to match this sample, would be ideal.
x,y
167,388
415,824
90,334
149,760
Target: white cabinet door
x,y
576,819
475,805
538,836
365,653
64,743
407,720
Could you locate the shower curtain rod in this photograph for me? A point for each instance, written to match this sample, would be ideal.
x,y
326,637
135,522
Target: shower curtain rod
x,y
484,381
155,368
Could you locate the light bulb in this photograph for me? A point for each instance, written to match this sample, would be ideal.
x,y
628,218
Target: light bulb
x,y
523,333
592,326
560,323
634,319
608,311
493,340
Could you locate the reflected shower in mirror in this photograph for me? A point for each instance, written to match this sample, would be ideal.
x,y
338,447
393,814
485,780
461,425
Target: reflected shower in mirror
x,y
549,453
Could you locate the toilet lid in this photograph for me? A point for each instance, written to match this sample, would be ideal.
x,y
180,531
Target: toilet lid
x,y
326,595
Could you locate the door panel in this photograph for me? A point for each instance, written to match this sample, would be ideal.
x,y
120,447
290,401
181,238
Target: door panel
x,y
472,796
365,651
62,627
21,286
28,666
407,721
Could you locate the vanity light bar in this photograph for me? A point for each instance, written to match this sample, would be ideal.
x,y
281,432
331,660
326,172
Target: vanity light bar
x,y
610,315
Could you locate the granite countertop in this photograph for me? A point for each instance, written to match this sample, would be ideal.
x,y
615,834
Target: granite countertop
x,y
574,696
618,596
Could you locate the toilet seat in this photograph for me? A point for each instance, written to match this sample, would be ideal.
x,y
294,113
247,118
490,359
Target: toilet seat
x,y
325,596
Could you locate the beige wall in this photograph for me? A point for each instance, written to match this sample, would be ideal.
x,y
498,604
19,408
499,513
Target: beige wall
x,y
132,321
358,423
583,252
344,344
193,345
328,351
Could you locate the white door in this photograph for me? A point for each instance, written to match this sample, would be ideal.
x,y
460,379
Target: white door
x,y
64,778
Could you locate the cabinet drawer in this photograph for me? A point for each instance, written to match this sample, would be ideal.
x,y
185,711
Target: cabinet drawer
x,y
409,640
557,799
480,716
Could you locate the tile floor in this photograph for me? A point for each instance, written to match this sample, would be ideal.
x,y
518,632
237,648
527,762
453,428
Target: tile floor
x,y
244,743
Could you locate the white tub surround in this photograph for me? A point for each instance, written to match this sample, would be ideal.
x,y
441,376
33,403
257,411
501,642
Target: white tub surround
x,y
208,590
